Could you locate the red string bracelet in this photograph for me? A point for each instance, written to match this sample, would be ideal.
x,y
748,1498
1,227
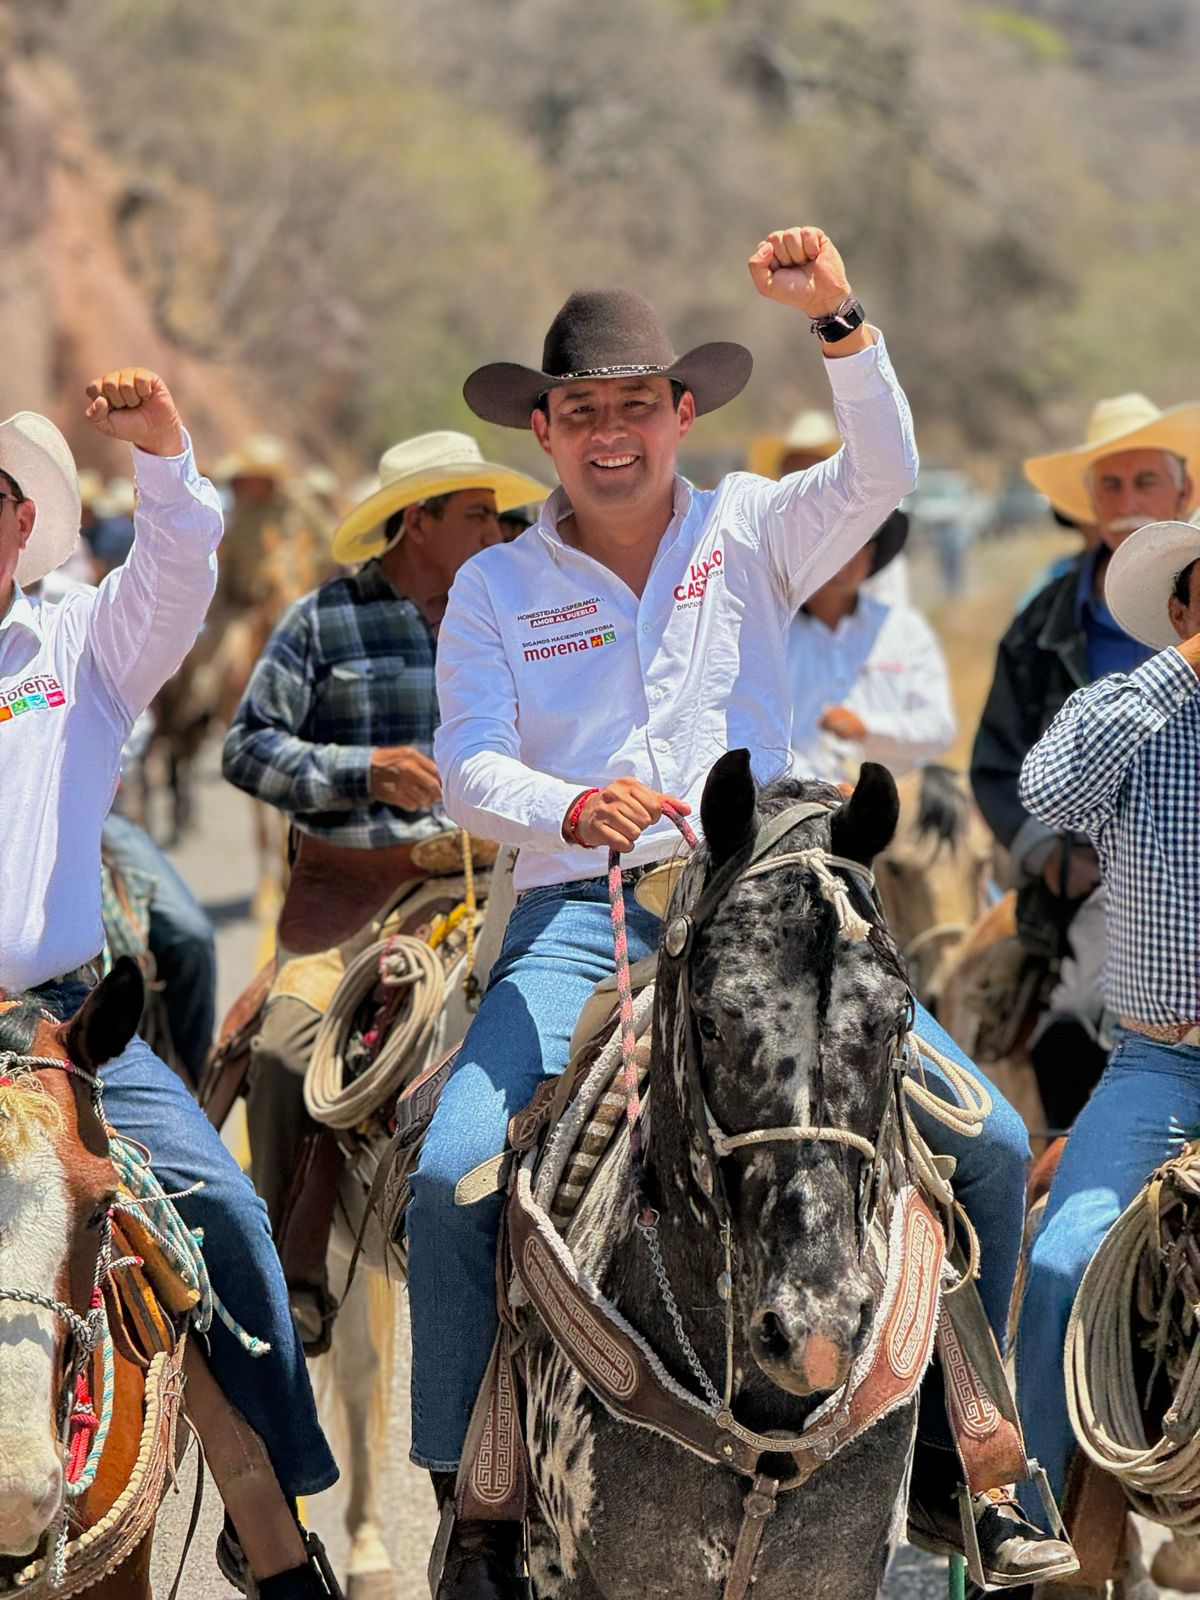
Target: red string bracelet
x,y
576,812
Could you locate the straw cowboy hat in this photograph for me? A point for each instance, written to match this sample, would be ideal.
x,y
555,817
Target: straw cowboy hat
x,y
1141,577
1126,422
419,469
606,333
91,485
813,432
39,460
259,456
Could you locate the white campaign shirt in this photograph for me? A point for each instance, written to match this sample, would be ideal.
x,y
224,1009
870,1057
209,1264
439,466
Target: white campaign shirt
x,y
553,676
882,662
73,679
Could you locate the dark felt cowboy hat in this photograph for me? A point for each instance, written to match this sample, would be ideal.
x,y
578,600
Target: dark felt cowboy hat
x,y
889,539
606,333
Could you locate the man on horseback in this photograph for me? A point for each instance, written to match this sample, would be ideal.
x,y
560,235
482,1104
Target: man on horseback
x,y
1137,466
336,730
1120,764
588,675
73,678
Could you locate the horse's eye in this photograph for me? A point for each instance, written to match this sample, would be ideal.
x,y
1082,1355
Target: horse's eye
x,y
708,1027
97,1217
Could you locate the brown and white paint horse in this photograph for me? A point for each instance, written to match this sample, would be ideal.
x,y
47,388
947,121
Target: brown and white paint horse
x,y
56,1185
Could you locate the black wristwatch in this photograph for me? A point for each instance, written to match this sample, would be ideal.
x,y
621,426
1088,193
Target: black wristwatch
x,y
839,324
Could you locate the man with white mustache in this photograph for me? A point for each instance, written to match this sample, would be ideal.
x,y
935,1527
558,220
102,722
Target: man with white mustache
x,y
1137,466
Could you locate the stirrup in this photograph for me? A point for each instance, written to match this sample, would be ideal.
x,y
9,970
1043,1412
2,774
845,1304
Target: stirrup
x,y
318,1560
441,1545
232,1564
970,1534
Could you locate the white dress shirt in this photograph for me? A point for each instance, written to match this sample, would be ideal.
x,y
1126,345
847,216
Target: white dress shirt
x,y
883,663
553,676
73,679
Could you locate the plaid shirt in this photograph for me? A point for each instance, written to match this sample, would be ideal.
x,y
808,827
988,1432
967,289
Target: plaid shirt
x,y
1121,762
348,669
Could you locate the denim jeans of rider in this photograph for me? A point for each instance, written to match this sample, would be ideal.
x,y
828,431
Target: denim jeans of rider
x,y
557,947
144,1100
181,942
1144,1109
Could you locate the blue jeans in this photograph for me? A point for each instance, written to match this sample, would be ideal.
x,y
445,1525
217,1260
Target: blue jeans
x,y
557,947
144,1099
181,942
1145,1107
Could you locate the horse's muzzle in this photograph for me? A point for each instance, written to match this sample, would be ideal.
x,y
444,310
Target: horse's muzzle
x,y
806,1351
31,1485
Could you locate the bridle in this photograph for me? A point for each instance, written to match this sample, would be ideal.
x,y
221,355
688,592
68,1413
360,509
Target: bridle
x,y
709,1143
83,1430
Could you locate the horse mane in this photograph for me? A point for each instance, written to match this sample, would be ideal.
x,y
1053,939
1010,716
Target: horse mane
x,y
28,1115
943,809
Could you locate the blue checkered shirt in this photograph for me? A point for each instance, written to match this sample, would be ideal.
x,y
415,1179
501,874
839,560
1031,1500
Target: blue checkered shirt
x,y
349,668
1121,762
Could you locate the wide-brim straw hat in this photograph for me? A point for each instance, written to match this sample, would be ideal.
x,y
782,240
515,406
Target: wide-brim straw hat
x,y
814,432
419,469
1125,422
34,453
1142,574
606,333
260,456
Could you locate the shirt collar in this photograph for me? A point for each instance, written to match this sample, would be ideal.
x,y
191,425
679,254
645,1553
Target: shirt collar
x,y
863,609
1085,583
558,507
1087,607
372,584
23,613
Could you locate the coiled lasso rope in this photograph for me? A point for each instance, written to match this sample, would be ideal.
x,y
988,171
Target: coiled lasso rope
x,y
183,1247
1150,1272
402,964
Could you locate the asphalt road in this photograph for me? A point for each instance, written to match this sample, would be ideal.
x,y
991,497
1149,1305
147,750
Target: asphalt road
x,y
217,859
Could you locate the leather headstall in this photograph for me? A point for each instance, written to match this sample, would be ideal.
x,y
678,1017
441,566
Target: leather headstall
x,y
679,940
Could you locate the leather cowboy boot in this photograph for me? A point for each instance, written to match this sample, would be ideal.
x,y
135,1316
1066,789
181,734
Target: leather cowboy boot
x,y
314,1580
482,1560
1012,1550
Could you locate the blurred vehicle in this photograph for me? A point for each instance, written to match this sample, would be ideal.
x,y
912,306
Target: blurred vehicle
x,y
946,499
948,510
1016,506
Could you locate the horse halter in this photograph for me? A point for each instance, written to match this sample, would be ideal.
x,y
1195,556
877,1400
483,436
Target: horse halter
x,y
710,1142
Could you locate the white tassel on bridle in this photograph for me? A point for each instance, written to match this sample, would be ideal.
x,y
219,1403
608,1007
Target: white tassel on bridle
x,y
834,890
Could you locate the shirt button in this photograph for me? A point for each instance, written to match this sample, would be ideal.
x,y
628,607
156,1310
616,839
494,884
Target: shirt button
x,y
662,746
645,627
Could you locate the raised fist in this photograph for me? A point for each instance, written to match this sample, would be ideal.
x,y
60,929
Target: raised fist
x,y
800,267
134,404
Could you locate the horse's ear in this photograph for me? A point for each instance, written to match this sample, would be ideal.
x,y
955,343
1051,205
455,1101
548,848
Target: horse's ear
x,y
866,824
728,812
108,1019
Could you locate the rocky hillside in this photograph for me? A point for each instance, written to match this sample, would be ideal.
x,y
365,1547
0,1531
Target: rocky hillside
x,y
318,214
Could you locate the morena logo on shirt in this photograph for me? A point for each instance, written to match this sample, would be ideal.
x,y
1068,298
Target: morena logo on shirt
x,y
42,693
700,573
571,646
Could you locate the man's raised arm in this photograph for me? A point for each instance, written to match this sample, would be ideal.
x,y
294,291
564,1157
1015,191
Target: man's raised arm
x,y
146,614
812,522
